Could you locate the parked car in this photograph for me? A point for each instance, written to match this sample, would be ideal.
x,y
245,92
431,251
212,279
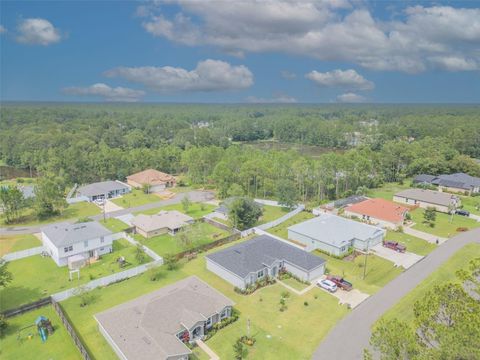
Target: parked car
x,y
340,282
395,246
327,285
462,212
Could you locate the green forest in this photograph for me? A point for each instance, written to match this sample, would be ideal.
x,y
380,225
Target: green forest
x,y
259,148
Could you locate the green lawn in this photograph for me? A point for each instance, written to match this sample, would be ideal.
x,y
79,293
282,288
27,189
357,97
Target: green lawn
x,y
471,203
281,230
196,210
114,225
12,243
413,244
168,244
293,334
403,310
36,277
379,271
297,285
443,226
73,211
388,190
58,346
271,213
135,198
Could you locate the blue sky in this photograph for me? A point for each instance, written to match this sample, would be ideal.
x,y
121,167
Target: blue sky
x,y
335,51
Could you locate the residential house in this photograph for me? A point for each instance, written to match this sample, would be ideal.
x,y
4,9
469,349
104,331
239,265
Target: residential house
x,y
245,263
157,181
335,235
338,204
162,223
459,182
103,190
159,325
88,240
442,202
378,212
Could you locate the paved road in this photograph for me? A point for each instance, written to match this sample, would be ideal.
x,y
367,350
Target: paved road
x,y
351,335
195,196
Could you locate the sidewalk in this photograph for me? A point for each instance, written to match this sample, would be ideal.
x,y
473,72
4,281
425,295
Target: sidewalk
x,y
207,350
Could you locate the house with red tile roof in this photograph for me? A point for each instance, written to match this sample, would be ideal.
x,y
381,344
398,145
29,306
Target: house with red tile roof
x,y
379,212
157,180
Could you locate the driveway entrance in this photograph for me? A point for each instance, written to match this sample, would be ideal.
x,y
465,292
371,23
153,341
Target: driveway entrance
x,y
406,259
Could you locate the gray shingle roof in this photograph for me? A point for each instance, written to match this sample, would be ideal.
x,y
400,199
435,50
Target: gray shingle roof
x,y
336,230
68,234
423,178
349,200
100,188
146,327
458,180
429,196
253,255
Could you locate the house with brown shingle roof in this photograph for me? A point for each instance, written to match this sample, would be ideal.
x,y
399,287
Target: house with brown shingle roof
x,y
378,212
163,222
156,180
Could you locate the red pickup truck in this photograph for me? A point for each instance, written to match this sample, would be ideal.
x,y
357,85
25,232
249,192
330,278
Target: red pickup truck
x,y
340,282
395,246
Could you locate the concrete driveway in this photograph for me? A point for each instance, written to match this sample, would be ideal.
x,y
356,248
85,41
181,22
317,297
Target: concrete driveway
x,y
406,259
423,235
111,206
353,298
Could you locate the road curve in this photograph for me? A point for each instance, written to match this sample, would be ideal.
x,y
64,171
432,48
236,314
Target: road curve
x,y
351,335
195,196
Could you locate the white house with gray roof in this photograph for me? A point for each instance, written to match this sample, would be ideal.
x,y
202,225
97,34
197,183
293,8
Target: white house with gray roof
x,y
441,201
335,235
103,190
245,263
160,324
88,240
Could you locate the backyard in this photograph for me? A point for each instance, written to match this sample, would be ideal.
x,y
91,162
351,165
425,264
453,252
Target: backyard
x,y
202,233
289,332
16,345
388,190
413,244
135,198
195,210
12,243
443,226
36,277
281,230
270,213
114,225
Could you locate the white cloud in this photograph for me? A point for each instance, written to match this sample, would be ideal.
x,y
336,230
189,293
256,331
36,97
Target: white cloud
x,y
209,75
278,99
288,75
351,98
37,32
349,79
2,29
330,31
107,92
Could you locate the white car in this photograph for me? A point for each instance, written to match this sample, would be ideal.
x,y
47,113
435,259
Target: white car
x,y
327,285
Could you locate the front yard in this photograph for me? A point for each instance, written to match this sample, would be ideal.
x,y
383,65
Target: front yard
x,y
471,203
195,210
413,244
294,333
36,277
12,243
15,344
281,230
443,226
135,198
167,244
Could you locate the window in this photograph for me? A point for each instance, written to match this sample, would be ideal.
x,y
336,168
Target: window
x,y
260,274
102,239
224,314
70,248
85,243
67,248
209,322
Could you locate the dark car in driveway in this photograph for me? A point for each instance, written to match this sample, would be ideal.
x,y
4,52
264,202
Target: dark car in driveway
x,y
462,212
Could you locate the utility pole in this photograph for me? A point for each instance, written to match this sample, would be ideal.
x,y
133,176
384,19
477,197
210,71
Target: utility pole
x,y
366,256
248,327
104,210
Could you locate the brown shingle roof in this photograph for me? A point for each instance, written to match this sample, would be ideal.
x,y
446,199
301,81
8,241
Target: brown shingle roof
x,y
151,177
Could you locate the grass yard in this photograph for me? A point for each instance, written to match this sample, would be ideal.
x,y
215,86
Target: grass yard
x,y
443,226
114,225
413,244
297,285
379,271
289,333
388,190
168,244
271,213
403,310
58,346
135,198
73,211
36,277
471,203
12,243
281,230
196,210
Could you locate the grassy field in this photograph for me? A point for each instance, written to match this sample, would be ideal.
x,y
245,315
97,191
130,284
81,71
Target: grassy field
x,y
135,198
443,226
114,225
413,244
379,271
271,213
36,277
73,211
168,244
58,346
289,333
388,190
281,230
471,204
11,243
196,210
403,310
297,285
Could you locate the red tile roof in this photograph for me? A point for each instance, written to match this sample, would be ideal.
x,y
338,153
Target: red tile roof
x,y
151,177
379,209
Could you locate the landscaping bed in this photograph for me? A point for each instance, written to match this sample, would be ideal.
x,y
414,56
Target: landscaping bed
x,y
12,243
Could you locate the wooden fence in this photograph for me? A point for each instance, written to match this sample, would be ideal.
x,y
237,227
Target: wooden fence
x,y
28,307
209,246
215,223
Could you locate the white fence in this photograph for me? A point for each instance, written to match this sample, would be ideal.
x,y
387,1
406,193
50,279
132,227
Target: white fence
x,y
280,220
147,250
23,253
261,232
77,199
106,280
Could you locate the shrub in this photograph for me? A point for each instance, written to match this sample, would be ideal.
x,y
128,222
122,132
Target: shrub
x,y
3,325
285,294
462,229
267,280
248,340
170,261
305,303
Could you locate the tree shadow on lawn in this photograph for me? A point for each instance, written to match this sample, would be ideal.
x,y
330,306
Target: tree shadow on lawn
x,y
15,296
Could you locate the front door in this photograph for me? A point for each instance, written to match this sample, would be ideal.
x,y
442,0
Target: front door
x,y
91,254
274,271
